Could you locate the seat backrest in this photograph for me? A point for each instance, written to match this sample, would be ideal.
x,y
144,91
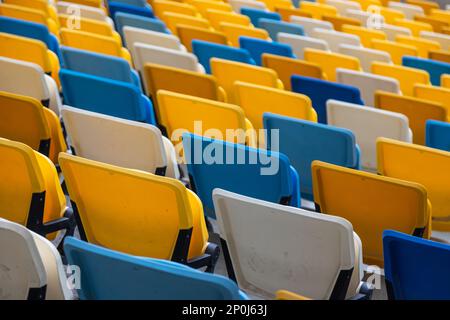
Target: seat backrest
x,y
300,43
423,46
274,27
188,33
203,5
417,110
132,277
89,12
23,272
420,164
144,53
89,25
256,47
360,14
172,20
238,4
434,68
339,22
330,61
96,64
256,14
408,10
123,19
286,67
233,32
367,83
161,6
122,209
342,6
23,78
115,7
367,124
310,24
319,91
26,13
392,31
206,50
408,256
289,259
90,41
365,55
304,141
228,72
102,95
371,203
415,26
406,76
443,39
215,17
286,12
116,141
365,34
237,168
438,135
433,93
155,38
318,10
336,38
395,49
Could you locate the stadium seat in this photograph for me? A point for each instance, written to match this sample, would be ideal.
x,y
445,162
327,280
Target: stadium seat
x,y
396,50
365,55
319,91
125,19
440,55
434,68
303,141
43,6
161,6
133,35
367,124
286,13
274,27
393,31
417,110
233,32
318,10
339,22
116,7
256,47
423,46
372,204
189,33
424,165
415,26
238,4
256,14
442,39
290,259
173,20
133,217
310,24
342,5
203,5
445,81
366,35
433,93
409,10
216,17
427,6
85,11
336,38
300,43
119,142
438,135
437,24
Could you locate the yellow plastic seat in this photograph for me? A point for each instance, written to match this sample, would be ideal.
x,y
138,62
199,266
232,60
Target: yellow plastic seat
x,y
427,6
288,295
427,166
172,20
228,72
317,10
440,14
365,4
30,50
179,113
339,22
414,26
188,33
234,31
422,45
390,15
161,6
433,93
41,5
406,76
272,4
395,49
28,14
372,204
417,110
445,80
203,5
133,211
330,61
435,22
215,17
285,67
255,100
158,77
440,55
366,35
26,120
93,42
286,13
445,30
30,193
90,25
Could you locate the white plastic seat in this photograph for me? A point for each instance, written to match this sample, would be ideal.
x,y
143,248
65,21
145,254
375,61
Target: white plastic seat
x,y
343,5
310,24
238,4
300,43
365,55
367,83
133,35
368,124
119,142
443,39
273,246
392,31
360,15
28,79
31,267
336,38
409,10
85,11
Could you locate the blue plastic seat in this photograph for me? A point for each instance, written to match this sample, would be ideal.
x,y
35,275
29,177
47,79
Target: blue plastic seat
x,y
206,50
106,96
273,27
319,91
122,19
256,47
256,14
116,7
305,141
30,30
111,275
136,3
433,67
437,135
415,268
100,65
248,171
